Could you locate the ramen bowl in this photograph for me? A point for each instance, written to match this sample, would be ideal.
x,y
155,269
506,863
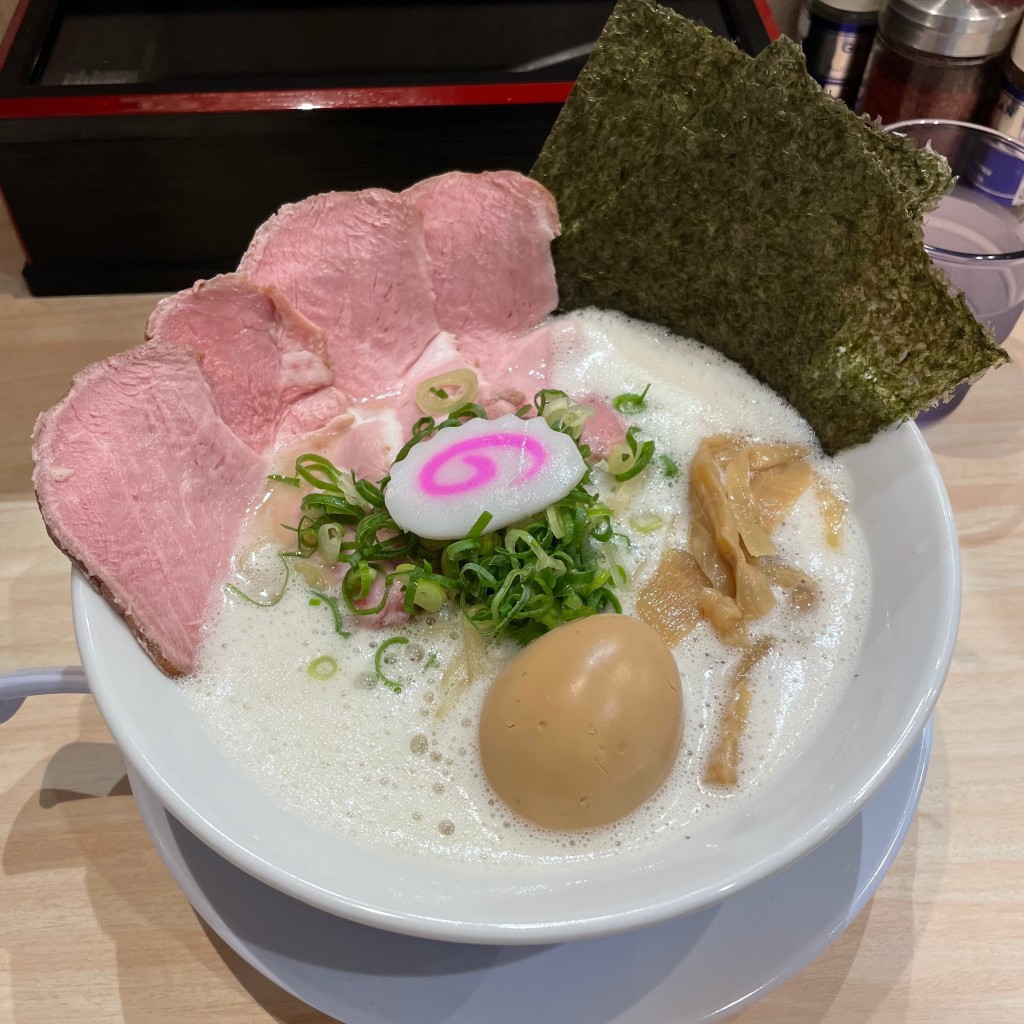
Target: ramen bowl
x,y
901,505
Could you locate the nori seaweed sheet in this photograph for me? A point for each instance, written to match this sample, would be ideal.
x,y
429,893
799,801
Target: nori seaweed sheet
x,y
649,61
730,199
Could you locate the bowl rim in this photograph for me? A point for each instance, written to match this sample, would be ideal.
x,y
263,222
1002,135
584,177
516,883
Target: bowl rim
x,y
437,925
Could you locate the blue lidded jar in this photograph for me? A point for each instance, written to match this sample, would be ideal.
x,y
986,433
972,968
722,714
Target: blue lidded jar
x,y
836,38
1008,113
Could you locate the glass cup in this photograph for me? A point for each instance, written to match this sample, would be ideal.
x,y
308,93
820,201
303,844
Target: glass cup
x,y
976,233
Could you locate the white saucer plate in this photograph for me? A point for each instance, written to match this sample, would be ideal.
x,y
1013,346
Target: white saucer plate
x,y
691,970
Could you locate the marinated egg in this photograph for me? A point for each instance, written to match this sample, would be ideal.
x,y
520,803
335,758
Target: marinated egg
x,y
584,724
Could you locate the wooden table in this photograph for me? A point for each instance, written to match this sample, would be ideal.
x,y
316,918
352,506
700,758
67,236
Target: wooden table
x,y
93,929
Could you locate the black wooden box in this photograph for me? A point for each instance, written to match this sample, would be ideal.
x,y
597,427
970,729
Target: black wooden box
x,y
141,144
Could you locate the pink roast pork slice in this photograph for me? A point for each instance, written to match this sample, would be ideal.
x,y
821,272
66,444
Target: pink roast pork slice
x,y
355,264
141,483
512,373
259,355
368,448
326,409
489,239
439,357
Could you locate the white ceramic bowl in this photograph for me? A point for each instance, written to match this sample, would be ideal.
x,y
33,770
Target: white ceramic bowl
x,y
904,512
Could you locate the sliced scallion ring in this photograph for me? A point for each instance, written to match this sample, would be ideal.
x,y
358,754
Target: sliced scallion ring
x,y
646,522
630,404
630,457
322,668
329,538
378,662
446,391
563,413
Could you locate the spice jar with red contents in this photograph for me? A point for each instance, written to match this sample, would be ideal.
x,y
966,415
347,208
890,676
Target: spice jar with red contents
x,y
936,59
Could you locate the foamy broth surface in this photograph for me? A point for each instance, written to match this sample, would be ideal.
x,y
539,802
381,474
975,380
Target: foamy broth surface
x,y
384,769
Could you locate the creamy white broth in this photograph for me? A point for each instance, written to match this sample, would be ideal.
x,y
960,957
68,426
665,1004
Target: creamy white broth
x,y
385,770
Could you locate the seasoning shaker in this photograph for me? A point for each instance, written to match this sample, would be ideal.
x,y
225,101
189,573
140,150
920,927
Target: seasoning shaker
x,y
836,38
936,59
1008,112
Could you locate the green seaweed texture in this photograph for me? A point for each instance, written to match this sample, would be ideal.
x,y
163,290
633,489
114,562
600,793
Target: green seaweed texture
x,y
728,198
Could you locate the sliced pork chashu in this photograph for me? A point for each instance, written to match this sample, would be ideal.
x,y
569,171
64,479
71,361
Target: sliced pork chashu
x,y
259,356
145,488
355,264
488,239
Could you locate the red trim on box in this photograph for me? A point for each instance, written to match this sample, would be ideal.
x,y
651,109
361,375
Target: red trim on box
x,y
767,19
12,30
284,99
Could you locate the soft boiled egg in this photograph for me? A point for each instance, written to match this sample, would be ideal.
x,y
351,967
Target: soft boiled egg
x,y
584,724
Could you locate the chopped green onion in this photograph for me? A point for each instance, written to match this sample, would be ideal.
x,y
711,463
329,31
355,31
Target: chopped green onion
x,y
439,395
355,586
630,457
335,611
563,413
291,481
328,541
231,588
556,524
613,559
318,471
378,663
322,668
519,581
429,596
431,661
668,466
426,427
425,590
629,404
646,522
479,526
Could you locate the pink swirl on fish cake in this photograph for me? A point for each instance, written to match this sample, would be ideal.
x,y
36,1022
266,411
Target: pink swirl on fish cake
x,y
484,467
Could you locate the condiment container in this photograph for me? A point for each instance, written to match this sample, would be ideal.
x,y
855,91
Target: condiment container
x,y
936,58
1008,112
836,38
